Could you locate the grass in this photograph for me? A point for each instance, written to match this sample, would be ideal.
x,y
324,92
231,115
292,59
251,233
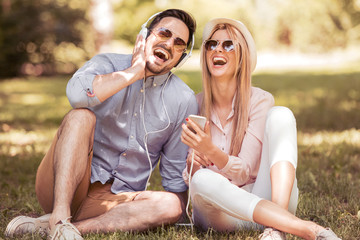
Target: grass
x,y
326,106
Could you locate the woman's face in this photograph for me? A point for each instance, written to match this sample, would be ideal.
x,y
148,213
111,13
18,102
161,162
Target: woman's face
x,y
221,63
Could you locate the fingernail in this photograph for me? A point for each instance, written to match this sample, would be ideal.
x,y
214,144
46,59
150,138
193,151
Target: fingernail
x,y
212,164
187,119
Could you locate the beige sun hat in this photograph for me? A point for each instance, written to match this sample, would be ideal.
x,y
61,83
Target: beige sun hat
x,y
242,28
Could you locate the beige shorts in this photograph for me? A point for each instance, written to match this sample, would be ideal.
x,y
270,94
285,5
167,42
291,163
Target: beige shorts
x,y
90,200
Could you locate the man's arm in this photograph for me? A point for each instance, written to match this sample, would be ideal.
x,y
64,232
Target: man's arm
x,y
98,79
106,85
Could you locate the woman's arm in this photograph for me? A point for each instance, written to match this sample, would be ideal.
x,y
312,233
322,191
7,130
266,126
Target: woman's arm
x,y
201,142
239,169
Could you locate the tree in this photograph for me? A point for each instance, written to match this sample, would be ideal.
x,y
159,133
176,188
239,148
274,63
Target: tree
x,y
35,37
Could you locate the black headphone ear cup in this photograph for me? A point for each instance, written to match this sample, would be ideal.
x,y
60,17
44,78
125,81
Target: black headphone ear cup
x,y
180,60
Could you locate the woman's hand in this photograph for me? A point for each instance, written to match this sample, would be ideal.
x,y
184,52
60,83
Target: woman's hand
x,y
198,161
197,139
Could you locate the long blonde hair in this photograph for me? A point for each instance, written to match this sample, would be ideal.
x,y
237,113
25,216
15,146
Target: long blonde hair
x,y
243,86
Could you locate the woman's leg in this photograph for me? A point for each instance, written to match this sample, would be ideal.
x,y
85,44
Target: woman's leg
x,y
270,214
219,204
276,180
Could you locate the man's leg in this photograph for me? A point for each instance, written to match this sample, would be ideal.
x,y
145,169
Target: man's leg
x,y
148,210
62,171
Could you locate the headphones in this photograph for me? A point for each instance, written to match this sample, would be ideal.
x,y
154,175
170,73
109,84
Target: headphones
x,y
184,57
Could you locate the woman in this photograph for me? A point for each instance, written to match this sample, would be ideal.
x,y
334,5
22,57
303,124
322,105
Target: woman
x,y
243,173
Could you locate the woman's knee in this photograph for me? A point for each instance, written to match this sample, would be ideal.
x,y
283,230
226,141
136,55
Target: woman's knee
x,y
206,182
280,116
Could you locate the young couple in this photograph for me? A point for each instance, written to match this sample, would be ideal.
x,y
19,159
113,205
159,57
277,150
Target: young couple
x,y
94,176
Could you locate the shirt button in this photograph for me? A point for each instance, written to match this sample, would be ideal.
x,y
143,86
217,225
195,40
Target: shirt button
x,y
142,90
131,136
222,149
135,114
154,84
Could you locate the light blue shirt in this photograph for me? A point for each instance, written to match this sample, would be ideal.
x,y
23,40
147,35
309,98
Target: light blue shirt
x,y
119,149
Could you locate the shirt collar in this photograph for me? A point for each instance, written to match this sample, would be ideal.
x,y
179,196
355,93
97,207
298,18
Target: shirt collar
x,y
215,119
156,80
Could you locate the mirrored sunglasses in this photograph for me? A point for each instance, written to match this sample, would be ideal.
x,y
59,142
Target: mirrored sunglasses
x,y
165,34
211,45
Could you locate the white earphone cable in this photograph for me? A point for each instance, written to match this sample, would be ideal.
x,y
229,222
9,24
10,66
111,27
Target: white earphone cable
x,y
157,131
189,199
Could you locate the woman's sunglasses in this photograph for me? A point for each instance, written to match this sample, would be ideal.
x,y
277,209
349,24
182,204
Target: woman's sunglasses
x,y
211,45
165,34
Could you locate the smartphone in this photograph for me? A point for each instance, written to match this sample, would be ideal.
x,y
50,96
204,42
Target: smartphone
x,y
199,120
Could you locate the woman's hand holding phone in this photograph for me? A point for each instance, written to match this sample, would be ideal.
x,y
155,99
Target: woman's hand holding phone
x,y
197,136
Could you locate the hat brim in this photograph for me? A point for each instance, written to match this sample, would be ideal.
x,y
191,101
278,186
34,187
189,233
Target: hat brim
x,y
242,28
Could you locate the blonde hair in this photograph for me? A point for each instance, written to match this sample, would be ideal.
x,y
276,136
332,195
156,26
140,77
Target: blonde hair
x,y
243,86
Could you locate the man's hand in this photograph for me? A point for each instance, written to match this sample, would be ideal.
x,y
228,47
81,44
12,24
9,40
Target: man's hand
x,y
138,61
106,85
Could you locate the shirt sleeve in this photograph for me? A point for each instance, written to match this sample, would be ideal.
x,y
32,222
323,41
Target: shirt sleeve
x,y
79,89
240,169
173,156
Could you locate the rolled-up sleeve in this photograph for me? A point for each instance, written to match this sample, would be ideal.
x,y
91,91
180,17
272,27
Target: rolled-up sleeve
x,y
242,168
173,156
79,89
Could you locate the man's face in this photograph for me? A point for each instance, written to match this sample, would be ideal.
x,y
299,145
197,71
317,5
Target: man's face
x,y
162,55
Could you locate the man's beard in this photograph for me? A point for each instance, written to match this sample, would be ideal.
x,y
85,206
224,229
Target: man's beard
x,y
153,68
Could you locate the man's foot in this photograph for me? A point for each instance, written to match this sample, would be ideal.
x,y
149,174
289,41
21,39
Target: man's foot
x,y
327,234
64,230
22,225
272,234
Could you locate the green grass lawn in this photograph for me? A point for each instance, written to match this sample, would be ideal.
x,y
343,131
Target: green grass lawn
x,y
326,106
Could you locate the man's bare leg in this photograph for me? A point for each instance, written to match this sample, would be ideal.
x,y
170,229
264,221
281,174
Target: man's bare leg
x,y
148,210
75,139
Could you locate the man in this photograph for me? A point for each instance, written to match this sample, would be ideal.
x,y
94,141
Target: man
x,y
120,127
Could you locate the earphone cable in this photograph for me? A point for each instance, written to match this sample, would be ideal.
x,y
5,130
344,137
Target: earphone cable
x,y
189,199
157,131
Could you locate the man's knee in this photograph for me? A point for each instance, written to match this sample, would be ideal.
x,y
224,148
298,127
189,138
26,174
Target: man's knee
x,y
167,205
172,207
79,119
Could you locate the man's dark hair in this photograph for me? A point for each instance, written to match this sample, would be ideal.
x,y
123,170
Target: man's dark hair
x,y
179,14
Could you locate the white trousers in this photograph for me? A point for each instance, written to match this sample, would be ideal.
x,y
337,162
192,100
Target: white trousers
x,y
219,204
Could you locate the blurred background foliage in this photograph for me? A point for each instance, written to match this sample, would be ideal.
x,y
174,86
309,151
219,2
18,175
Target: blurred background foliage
x,y
46,37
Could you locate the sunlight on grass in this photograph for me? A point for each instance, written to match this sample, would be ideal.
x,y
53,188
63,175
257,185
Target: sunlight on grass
x,y
19,141
31,99
351,137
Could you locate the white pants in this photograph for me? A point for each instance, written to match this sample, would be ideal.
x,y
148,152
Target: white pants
x,y
219,204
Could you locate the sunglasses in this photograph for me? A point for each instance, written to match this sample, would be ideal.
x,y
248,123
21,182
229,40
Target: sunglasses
x,y
211,45
165,34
